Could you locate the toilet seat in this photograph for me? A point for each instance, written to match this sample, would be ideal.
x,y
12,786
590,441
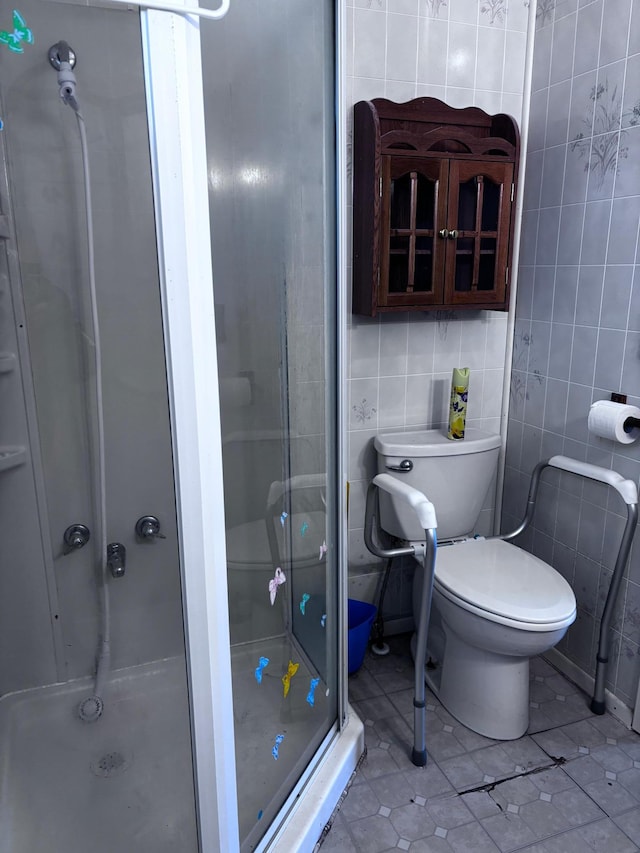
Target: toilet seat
x,y
504,584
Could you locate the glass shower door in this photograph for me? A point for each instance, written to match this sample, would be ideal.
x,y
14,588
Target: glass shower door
x,y
269,109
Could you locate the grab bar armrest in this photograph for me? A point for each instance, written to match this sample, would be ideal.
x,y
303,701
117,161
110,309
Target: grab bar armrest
x,y
626,488
423,507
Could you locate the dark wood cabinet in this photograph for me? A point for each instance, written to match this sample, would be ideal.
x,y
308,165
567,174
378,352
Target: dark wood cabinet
x,y
433,202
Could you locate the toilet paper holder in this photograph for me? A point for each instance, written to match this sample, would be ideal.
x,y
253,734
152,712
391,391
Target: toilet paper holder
x,y
631,423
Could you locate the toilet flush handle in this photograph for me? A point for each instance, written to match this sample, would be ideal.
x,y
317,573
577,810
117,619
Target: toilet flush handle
x,y
404,467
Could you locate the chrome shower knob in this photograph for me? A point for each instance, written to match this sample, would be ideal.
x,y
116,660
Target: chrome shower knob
x,y
75,536
148,527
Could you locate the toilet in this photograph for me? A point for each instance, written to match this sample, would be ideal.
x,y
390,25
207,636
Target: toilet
x,y
494,605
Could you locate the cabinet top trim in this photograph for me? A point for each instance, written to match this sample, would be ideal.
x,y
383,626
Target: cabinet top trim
x,y
422,116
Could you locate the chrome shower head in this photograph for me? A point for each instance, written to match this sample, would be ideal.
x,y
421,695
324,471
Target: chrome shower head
x,y
61,52
63,59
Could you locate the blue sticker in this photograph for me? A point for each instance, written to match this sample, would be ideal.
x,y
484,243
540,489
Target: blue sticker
x,y
21,33
283,517
274,751
303,602
260,813
1,124
261,665
312,687
323,620
304,528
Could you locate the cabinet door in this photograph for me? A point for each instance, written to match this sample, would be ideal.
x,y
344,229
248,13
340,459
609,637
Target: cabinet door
x,y
478,226
412,256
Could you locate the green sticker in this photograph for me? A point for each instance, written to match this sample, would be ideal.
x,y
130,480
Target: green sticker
x,y
21,33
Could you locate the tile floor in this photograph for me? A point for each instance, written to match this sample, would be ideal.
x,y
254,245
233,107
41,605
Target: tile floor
x,y
572,783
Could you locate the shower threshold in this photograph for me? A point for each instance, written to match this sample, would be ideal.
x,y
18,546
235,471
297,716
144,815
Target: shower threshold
x,y
124,782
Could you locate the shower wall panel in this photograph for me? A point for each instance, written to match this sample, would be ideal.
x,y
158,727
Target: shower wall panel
x,y
46,180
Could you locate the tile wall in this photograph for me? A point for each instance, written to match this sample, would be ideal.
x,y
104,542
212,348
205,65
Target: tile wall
x,y
578,310
467,53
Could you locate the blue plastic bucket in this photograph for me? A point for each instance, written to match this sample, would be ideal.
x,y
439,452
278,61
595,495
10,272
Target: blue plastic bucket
x,y
360,620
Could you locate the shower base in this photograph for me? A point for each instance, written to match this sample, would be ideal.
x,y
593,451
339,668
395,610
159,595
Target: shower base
x,y
261,713
123,782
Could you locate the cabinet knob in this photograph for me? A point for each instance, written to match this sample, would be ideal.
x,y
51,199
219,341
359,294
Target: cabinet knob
x,y
444,233
453,234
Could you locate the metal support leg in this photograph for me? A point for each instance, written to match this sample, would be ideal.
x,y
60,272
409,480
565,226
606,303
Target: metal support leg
x,y
419,752
427,515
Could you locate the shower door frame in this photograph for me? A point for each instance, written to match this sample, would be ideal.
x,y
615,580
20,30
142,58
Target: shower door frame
x,y
175,103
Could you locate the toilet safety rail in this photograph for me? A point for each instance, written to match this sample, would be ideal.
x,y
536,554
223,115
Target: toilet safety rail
x,y
629,493
427,515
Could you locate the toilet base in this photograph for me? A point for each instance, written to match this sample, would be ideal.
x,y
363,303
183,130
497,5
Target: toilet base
x,y
488,693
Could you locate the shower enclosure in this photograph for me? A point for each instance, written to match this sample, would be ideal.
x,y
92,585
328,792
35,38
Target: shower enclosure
x,y
225,702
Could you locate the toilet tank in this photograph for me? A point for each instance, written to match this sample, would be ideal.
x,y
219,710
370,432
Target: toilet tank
x,y
454,475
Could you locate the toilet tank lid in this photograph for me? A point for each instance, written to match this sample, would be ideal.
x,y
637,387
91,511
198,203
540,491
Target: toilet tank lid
x,y
434,442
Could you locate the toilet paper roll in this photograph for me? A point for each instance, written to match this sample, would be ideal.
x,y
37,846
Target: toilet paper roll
x,y
607,419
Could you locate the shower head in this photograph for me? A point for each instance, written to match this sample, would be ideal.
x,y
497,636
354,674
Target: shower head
x,y
61,52
63,59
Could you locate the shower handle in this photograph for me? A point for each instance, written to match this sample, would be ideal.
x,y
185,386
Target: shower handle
x,y
148,527
116,558
75,536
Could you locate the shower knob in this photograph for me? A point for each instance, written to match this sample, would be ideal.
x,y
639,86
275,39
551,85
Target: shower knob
x,y
75,536
148,527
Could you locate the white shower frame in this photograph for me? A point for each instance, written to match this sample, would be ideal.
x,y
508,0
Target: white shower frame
x,y
174,91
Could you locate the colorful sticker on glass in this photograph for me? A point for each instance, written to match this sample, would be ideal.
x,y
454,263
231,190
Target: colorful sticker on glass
x,y
262,663
277,580
304,527
303,602
312,689
21,33
323,550
283,517
323,620
286,678
274,751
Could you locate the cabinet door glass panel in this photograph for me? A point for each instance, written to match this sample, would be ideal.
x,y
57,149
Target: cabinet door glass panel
x,y
464,265
424,264
490,211
412,192
425,203
487,265
400,215
398,264
467,205
481,218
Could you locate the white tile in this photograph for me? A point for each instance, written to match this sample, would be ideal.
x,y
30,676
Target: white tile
x,y
392,401
432,59
370,43
394,338
363,404
402,47
514,57
364,349
399,90
491,48
461,55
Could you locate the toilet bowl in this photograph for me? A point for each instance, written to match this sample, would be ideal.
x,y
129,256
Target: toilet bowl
x,y
497,606
494,605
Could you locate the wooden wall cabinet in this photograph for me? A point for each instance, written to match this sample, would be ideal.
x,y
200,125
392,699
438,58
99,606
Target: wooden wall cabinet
x,y
433,206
